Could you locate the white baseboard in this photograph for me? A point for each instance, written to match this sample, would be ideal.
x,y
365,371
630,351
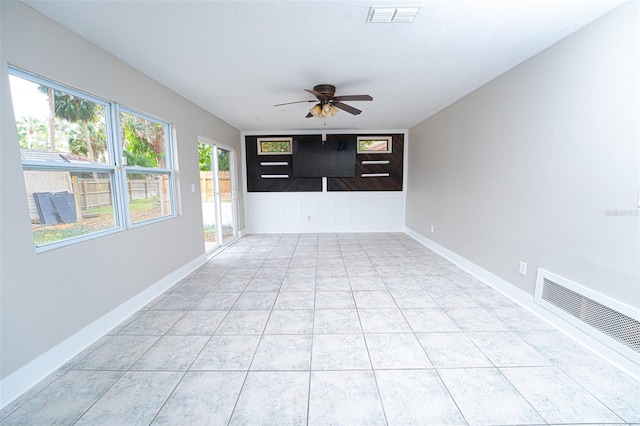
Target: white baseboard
x,y
23,379
526,300
494,281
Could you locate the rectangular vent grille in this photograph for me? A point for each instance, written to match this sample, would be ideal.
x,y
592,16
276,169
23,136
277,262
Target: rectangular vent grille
x,y
617,326
614,324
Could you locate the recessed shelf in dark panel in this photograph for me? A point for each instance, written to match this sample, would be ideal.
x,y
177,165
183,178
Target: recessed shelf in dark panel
x,y
372,175
274,163
368,162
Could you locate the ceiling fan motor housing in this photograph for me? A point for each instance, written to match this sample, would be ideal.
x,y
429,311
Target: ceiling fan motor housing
x,y
326,90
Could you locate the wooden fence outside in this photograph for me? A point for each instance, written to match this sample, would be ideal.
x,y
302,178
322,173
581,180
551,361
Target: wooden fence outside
x,y
91,193
94,193
97,193
206,186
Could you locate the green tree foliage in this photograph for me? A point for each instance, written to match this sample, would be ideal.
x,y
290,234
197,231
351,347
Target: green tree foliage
x,y
32,133
75,109
137,150
143,138
81,123
276,146
223,160
373,145
98,136
204,157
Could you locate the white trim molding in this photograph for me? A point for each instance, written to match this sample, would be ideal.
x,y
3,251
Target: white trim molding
x,y
526,300
23,379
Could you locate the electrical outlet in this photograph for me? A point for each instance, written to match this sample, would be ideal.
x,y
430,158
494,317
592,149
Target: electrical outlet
x,y
433,229
523,268
308,218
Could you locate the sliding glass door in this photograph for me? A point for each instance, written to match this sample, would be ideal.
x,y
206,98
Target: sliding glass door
x,y
218,193
226,193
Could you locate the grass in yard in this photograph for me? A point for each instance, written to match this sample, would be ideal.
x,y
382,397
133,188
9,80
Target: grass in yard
x,y
210,232
96,219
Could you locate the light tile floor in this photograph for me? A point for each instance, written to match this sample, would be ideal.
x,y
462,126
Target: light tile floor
x,y
331,329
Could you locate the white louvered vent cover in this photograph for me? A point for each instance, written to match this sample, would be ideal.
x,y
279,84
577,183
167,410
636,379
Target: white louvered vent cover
x,y
603,315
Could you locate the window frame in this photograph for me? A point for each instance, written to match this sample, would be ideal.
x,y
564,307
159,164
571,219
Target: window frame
x,y
388,139
289,140
125,170
114,166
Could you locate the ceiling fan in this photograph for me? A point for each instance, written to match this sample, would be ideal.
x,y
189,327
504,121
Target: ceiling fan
x,y
328,103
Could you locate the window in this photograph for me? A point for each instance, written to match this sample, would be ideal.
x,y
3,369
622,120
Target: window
x,y
274,146
83,178
374,144
148,166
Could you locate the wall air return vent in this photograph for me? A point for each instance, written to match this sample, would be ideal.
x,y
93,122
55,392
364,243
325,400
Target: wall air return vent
x,y
607,320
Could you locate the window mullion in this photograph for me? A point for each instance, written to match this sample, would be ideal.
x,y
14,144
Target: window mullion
x,y
121,174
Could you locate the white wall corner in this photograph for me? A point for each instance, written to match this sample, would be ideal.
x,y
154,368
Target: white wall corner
x,y
23,379
526,300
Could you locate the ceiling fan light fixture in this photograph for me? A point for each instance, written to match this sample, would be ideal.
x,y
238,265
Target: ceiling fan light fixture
x,y
316,111
323,111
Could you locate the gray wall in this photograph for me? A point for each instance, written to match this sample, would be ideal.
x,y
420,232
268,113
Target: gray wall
x,y
527,167
48,297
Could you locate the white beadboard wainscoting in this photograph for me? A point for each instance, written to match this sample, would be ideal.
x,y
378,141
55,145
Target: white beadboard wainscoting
x,y
319,212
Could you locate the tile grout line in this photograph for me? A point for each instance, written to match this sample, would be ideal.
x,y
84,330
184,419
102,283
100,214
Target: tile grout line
x,y
313,325
122,373
194,358
366,345
146,352
246,376
129,369
568,374
318,250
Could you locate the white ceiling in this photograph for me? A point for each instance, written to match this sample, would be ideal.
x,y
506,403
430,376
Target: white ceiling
x,y
236,59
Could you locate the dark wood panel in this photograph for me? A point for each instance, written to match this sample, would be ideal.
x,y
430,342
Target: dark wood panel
x,y
395,169
255,183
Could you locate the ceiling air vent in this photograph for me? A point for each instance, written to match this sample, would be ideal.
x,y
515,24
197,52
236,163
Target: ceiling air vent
x,y
392,14
611,322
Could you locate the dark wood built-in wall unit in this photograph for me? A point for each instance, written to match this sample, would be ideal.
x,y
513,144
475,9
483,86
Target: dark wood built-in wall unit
x,y
375,172
273,172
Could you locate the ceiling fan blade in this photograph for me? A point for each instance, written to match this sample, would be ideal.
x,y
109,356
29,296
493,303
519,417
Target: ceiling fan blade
x,y
353,98
309,115
296,102
314,93
347,108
